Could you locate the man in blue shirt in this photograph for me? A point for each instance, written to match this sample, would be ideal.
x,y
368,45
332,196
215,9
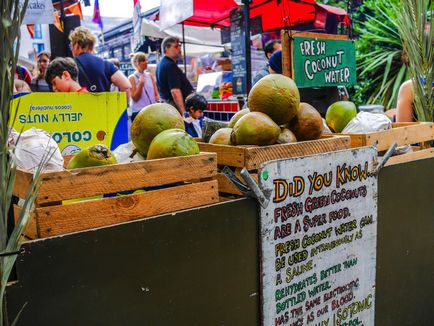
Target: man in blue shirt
x,y
172,84
95,74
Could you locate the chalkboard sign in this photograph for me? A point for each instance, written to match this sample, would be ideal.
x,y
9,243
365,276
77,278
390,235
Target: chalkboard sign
x,y
318,239
322,62
239,73
256,25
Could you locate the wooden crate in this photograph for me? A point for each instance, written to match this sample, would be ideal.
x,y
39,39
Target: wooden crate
x,y
404,133
187,182
418,154
251,157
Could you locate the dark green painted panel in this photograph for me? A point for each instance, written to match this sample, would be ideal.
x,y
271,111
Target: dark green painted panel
x,y
405,254
201,267
198,267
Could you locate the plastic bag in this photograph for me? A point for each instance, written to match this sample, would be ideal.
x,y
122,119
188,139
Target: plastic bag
x,y
326,129
31,147
365,122
210,126
124,153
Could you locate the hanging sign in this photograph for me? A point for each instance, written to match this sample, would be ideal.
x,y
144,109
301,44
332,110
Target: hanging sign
x,y
318,236
74,120
319,60
38,12
238,46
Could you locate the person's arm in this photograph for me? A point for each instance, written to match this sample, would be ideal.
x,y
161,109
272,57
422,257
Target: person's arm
x,y
136,90
157,95
122,82
178,99
404,109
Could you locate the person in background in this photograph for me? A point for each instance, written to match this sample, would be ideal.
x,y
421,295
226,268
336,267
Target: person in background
x,y
275,63
38,82
269,48
62,75
22,73
20,86
96,74
143,90
195,104
173,85
117,63
404,107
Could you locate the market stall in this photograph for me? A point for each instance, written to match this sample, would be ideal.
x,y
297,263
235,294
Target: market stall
x,y
278,217
202,265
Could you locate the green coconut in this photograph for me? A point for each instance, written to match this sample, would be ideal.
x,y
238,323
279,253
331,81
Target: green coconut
x,y
95,155
255,128
277,96
307,124
221,137
339,114
172,143
152,120
237,116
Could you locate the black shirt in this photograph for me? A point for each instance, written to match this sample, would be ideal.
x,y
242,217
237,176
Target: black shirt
x,y
95,73
169,76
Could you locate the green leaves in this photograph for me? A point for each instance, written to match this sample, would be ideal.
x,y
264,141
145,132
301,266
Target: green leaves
x,y
380,54
416,28
11,18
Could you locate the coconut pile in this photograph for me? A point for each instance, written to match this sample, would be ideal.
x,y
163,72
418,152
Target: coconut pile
x,y
276,116
158,131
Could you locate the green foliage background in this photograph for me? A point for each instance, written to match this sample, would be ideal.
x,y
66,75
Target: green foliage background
x,y
381,67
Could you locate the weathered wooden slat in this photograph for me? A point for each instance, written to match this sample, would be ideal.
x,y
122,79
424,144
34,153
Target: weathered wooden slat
x,y
225,186
22,183
404,133
226,155
55,220
87,182
256,156
417,155
30,232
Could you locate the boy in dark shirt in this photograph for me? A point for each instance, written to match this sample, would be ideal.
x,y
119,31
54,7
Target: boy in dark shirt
x,y
62,74
195,104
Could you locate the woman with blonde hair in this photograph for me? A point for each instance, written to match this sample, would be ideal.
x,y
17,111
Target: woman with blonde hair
x,y
96,74
144,89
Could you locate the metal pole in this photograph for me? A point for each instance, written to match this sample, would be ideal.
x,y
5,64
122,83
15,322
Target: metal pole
x,y
62,24
246,11
183,50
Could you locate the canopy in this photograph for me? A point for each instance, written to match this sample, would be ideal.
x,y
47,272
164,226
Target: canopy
x,y
198,40
275,14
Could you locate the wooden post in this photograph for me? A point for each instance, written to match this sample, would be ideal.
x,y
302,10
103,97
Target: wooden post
x,y
286,53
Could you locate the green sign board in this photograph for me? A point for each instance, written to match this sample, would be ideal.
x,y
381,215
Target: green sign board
x,y
321,62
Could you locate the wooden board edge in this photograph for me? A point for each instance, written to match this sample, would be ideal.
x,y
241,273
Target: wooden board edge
x,y
324,145
226,154
205,166
23,179
62,219
30,231
417,155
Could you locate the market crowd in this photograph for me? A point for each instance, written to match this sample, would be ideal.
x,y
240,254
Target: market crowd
x,y
86,72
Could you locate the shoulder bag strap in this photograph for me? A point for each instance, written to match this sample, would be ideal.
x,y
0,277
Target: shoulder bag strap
x,y
92,87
